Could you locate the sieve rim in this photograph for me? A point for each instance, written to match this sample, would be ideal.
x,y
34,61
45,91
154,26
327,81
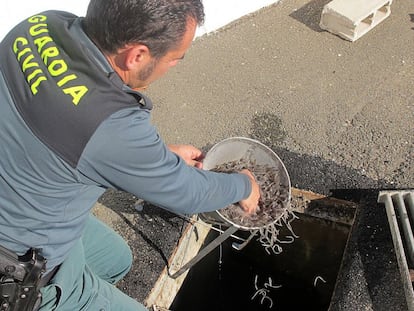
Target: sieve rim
x,y
280,165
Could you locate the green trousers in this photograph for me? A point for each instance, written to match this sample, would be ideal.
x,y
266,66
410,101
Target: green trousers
x,y
85,280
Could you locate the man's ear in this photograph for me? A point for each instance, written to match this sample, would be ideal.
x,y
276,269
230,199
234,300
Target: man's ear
x,y
137,55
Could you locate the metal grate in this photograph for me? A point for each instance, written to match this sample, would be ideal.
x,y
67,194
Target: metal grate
x,y
399,206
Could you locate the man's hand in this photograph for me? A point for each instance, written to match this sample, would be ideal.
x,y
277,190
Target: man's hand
x,y
250,204
190,154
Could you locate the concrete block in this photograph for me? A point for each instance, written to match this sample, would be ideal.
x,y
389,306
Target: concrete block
x,y
351,19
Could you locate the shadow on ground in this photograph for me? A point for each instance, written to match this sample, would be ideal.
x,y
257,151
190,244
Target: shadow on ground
x,y
310,14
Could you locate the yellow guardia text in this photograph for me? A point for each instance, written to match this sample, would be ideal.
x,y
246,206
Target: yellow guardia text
x,y
51,58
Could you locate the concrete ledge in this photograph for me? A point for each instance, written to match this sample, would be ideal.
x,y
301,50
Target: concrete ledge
x,y
165,289
351,19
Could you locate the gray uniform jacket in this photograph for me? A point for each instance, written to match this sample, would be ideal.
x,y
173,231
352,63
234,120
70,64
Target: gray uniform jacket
x,y
70,129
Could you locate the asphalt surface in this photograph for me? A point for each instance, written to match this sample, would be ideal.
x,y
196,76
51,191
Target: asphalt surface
x,y
339,114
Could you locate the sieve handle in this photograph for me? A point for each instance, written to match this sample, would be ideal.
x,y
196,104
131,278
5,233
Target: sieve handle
x,y
212,245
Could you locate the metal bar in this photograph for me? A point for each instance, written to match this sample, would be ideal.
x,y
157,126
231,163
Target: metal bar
x,y
385,198
409,198
240,246
405,224
210,226
212,245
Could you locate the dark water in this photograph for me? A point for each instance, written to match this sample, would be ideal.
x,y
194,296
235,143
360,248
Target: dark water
x,y
246,279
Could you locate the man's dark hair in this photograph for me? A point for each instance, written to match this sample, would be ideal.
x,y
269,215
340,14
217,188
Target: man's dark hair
x,y
158,24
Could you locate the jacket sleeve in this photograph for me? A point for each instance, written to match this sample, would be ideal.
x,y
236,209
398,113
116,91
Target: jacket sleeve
x,y
126,153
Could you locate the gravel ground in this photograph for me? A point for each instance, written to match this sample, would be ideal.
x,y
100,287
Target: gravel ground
x,y
340,115
151,233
